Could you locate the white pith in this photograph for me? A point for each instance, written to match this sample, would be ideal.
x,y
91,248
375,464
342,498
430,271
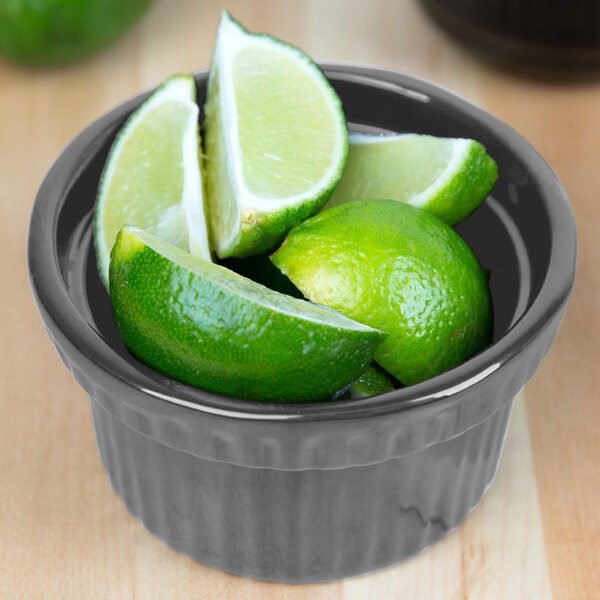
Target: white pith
x,y
192,194
460,150
231,39
181,90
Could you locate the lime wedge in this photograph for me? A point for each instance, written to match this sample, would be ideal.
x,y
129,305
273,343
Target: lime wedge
x,y
275,139
152,177
372,382
449,177
207,326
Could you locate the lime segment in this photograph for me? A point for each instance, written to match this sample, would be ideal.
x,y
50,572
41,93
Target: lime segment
x,y
276,140
207,326
152,178
372,382
449,177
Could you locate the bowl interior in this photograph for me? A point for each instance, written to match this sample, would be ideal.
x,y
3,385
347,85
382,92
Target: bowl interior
x,y
510,233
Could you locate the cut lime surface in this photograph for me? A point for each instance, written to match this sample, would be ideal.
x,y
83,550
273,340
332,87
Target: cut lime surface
x,y
401,270
204,325
152,177
275,139
449,177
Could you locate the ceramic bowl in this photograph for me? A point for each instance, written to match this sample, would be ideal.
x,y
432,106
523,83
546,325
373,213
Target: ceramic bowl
x,y
324,491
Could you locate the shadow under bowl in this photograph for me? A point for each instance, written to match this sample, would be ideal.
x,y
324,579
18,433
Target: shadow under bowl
x,y
321,491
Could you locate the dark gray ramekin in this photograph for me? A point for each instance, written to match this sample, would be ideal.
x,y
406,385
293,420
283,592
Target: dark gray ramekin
x,y
312,492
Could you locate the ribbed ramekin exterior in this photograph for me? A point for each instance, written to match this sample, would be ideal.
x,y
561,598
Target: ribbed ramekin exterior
x,y
300,526
287,522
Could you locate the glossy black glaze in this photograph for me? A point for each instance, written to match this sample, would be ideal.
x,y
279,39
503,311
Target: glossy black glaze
x,y
312,492
550,39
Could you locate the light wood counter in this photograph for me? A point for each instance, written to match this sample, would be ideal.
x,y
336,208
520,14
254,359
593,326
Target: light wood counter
x,y
65,534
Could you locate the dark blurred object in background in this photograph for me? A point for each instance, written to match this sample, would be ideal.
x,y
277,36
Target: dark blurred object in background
x,y
50,32
551,37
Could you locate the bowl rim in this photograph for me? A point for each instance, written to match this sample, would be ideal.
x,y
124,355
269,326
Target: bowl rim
x,y
62,316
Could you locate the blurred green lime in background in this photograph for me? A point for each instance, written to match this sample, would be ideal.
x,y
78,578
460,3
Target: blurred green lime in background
x,y
50,32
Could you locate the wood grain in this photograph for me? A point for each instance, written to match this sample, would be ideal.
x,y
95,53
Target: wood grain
x,y
65,534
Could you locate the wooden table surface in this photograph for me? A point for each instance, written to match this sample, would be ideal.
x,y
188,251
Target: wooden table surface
x,y
65,534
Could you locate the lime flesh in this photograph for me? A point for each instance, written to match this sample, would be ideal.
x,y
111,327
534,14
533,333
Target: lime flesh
x,y
449,177
275,140
152,177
